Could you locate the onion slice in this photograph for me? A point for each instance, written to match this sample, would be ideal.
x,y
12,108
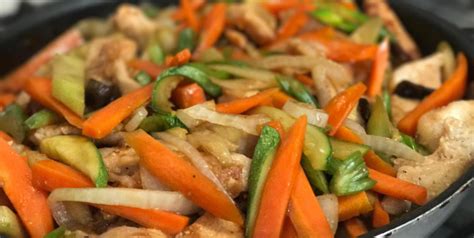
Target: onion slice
x,y
315,117
391,147
149,181
129,197
138,116
330,207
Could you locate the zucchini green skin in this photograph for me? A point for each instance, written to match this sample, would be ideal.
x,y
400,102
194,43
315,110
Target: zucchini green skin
x,y
142,78
9,223
56,233
211,72
162,92
262,160
342,149
161,122
11,122
78,152
316,178
297,90
40,119
350,176
379,123
186,39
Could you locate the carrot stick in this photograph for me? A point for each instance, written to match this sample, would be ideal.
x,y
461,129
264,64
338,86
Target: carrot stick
x,y
379,217
180,175
276,6
380,64
277,126
179,14
305,79
342,104
30,203
451,90
305,212
280,98
280,182
6,99
40,90
244,104
188,95
65,42
213,26
148,67
180,58
103,121
292,25
355,227
346,134
50,175
189,14
288,230
353,205
4,136
398,188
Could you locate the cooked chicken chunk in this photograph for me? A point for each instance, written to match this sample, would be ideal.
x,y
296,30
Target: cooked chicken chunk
x,y
401,107
53,130
127,231
254,21
131,21
122,166
209,226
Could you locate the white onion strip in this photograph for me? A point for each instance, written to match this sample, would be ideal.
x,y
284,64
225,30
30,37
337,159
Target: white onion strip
x,y
129,197
330,207
138,116
315,117
391,147
149,181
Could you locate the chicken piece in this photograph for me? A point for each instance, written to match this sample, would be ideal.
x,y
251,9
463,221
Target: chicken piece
x,y
122,166
401,107
53,130
381,9
307,48
104,52
127,231
451,135
330,79
131,21
236,38
208,226
253,21
125,82
426,72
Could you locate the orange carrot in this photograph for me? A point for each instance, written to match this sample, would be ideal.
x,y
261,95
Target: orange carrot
x,y
305,212
292,25
305,79
180,58
355,227
6,99
280,98
379,66
188,95
213,26
15,80
50,175
103,121
342,104
147,66
276,6
4,136
346,134
29,202
288,230
451,90
180,175
277,126
280,182
353,205
190,14
244,104
40,90
398,188
379,217
196,4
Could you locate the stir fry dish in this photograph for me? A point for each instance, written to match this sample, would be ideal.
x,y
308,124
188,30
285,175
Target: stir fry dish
x,y
270,118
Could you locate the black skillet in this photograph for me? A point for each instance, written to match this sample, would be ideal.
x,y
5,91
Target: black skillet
x,y
24,37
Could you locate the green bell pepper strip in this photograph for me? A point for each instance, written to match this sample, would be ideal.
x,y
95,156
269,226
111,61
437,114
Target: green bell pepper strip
x,y
42,118
296,89
161,122
186,39
11,122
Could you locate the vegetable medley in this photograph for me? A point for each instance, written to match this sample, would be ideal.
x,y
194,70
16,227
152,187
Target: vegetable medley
x,y
270,118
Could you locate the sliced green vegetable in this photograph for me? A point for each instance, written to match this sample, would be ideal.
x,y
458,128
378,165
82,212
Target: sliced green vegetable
x,y
209,55
161,122
296,89
329,17
351,176
211,72
143,78
162,93
379,123
149,9
368,32
78,152
387,102
411,142
186,39
262,160
342,149
316,144
11,122
56,233
230,62
69,82
316,178
42,118
9,223
156,54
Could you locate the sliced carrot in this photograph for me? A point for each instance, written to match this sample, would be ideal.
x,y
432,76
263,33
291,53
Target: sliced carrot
x,y
213,26
180,175
280,98
379,66
49,175
190,14
14,81
103,121
180,58
6,99
353,205
30,203
277,126
40,90
188,95
305,212
398,188
179,14
342,104
288,230
379,217
355,227
4,136
451,90
292,25
244,104
276,6
280,182
347,134
305,79
147,66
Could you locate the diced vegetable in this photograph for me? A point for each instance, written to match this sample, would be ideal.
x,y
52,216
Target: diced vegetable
x,y
379,123
9,223
351,176
162,93
49,174
161,122
56,233
186,39
156,54
68,85
379,66
315,116
353,205
391,147
292,25
136,119
316,178
412,144
264,154
368,33
379,217
329,204
146,66
80,153
355,227
188,95
243,71
189,14
213,26
242,105
297,90
180,58
11,122
211,72
142,78
40,119
387,102
342,149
